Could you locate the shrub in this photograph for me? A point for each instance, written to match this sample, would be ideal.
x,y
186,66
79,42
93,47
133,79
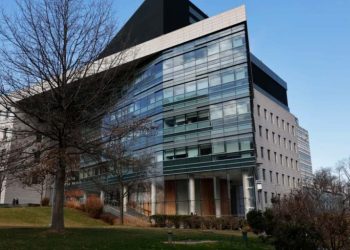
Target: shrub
x,y
158,220
256,221
45,202
73,204
94,206
108,218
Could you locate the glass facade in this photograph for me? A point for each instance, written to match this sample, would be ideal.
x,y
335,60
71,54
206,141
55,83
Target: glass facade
x,y
198,96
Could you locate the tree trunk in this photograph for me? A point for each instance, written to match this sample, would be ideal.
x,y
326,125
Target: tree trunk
x,y
121,197
57,220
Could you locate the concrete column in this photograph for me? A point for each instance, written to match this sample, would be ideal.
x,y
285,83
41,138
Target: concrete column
x,y
125,198
192,194
153,197
102,197
217,196
228,181
246,193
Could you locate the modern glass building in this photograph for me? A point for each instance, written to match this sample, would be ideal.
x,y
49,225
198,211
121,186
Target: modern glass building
x,y
199,84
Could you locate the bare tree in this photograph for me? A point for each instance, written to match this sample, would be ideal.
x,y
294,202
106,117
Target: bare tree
x,y
54,87
130,170
313,217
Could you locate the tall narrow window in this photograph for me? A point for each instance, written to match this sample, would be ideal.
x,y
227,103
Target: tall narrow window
x,y
260,130
262,152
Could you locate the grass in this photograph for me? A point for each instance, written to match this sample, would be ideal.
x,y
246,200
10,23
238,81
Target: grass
x,y
117,238
27,228
41,216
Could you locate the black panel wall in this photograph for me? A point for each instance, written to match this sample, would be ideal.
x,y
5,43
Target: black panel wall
x,y
152,19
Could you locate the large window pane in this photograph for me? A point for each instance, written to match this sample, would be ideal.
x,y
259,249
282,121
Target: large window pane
x,y
192,151
216,111
226,45
213,49
218,147
202,84
201,55
232,146
179,90
169,122
230,108
168,64
190,56
169,154
168,92
237,41
214,80
228,77
190,87
180,153
245,144
205,149
243,107
240,73
178,60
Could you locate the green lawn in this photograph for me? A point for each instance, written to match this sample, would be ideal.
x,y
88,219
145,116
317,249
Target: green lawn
x,y
27,228
116,238
41,216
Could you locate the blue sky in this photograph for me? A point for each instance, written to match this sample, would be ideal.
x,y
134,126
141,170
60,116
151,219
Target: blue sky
x,y
307,43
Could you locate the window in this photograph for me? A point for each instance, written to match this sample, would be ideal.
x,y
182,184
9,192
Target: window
x,y
268,155
227,77
232,146
275,157
218,147
265,114
179,90
169,154
287,162
192,151
214,80
258,108
288,180
265,197
281,159
293,130
238,41
277,121
205,149
262,152
260,130
291,163
203,115
190,87
267,134
271,177
288,127
201,55
285,142
243,107
226,45
283,179
264,174
230,108
240,73
277,179
246,144
293,182
216,111
273,137
279,140
283,125
169,122
159,156
202,84
271,117
180,153
213,49
290,145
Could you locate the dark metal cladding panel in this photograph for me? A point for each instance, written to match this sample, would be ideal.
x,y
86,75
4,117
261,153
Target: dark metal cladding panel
x,y
267,83
152,19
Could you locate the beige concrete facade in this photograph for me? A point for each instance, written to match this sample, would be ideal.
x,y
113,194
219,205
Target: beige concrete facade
x,y
277,150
